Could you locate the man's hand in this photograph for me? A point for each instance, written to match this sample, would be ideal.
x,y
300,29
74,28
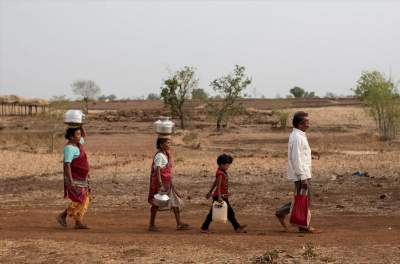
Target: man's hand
x,y
315,154
304,184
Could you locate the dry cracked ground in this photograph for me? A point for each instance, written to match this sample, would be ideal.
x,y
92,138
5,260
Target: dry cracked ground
x,y
359,217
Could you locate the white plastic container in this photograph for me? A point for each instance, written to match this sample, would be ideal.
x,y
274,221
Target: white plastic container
x,y
220,212
161,199
74,117
164,125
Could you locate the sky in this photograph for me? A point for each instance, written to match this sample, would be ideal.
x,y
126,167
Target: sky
x,y
129,47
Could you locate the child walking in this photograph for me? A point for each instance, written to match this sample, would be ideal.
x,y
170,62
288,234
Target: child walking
x,y
221,194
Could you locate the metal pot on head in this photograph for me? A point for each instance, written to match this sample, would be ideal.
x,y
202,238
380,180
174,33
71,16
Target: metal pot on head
x,y
74,117
164,125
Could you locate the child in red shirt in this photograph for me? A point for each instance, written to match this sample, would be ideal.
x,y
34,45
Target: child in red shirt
x,y
221,194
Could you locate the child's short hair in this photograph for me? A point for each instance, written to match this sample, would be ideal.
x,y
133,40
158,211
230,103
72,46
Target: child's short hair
x,y
224,159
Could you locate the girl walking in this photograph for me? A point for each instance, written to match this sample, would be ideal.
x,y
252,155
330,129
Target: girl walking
x,y
161,181
76,176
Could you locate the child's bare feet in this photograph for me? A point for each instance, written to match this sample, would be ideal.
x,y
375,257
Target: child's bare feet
x,y
241,229
153,229
204,231
282,222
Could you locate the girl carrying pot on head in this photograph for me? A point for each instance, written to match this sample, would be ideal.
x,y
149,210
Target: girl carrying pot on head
x,y
161,182
76,175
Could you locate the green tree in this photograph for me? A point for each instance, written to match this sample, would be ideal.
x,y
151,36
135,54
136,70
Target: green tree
x,y
297,92
330,95
111,97
59,102
176,90
229,88
199,94
282,118
310,95
153,96
87,89
381,96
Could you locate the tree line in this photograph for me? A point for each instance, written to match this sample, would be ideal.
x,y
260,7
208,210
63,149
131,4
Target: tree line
x,y
379,93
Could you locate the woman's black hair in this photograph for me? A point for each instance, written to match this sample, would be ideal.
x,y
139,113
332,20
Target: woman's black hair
x,y
224,159
160,141
298,118
70,133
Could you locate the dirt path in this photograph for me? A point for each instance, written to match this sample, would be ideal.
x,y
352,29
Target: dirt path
x,y
120,236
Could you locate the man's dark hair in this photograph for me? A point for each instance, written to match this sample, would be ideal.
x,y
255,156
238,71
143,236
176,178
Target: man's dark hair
x,y
160,141
71,132
224,159
298,118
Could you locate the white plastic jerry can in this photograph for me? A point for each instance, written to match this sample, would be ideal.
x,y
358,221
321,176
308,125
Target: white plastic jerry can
x,y
220,212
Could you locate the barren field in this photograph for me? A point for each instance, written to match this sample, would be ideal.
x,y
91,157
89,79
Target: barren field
x,y
359,217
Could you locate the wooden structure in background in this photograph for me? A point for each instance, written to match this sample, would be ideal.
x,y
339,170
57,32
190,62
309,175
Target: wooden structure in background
x,y
11,105
21,109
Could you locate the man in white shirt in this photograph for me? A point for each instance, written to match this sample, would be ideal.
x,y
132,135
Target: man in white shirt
x,y
299,164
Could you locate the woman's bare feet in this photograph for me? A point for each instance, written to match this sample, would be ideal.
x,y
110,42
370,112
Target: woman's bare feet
x,y
310,230
183,226
282,222
62,219
80,225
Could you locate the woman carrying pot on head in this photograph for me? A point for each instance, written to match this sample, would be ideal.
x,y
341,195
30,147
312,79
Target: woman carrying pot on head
x,y
76,178
161,182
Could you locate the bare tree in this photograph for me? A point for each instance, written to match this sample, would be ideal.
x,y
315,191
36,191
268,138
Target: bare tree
x,y
87,89
176,90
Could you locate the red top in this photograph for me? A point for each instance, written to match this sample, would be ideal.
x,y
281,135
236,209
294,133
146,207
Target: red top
x,y
80,165
80,172
224,182
166,175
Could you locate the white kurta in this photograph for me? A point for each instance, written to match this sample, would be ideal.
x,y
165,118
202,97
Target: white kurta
x,y
299,156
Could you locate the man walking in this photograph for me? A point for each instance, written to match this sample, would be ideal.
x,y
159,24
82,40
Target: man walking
x,y
299,164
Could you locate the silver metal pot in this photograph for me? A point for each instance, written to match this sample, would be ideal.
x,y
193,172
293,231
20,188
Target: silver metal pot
x,y
161,199
164,125
74,117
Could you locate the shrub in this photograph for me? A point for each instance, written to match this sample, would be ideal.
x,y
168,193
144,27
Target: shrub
x,y
381,96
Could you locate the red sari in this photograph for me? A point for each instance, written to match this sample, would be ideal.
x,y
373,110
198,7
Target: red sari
x,y
80,172
166,175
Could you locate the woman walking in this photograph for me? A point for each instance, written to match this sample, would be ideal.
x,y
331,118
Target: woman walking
x,y
161,181
76,174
